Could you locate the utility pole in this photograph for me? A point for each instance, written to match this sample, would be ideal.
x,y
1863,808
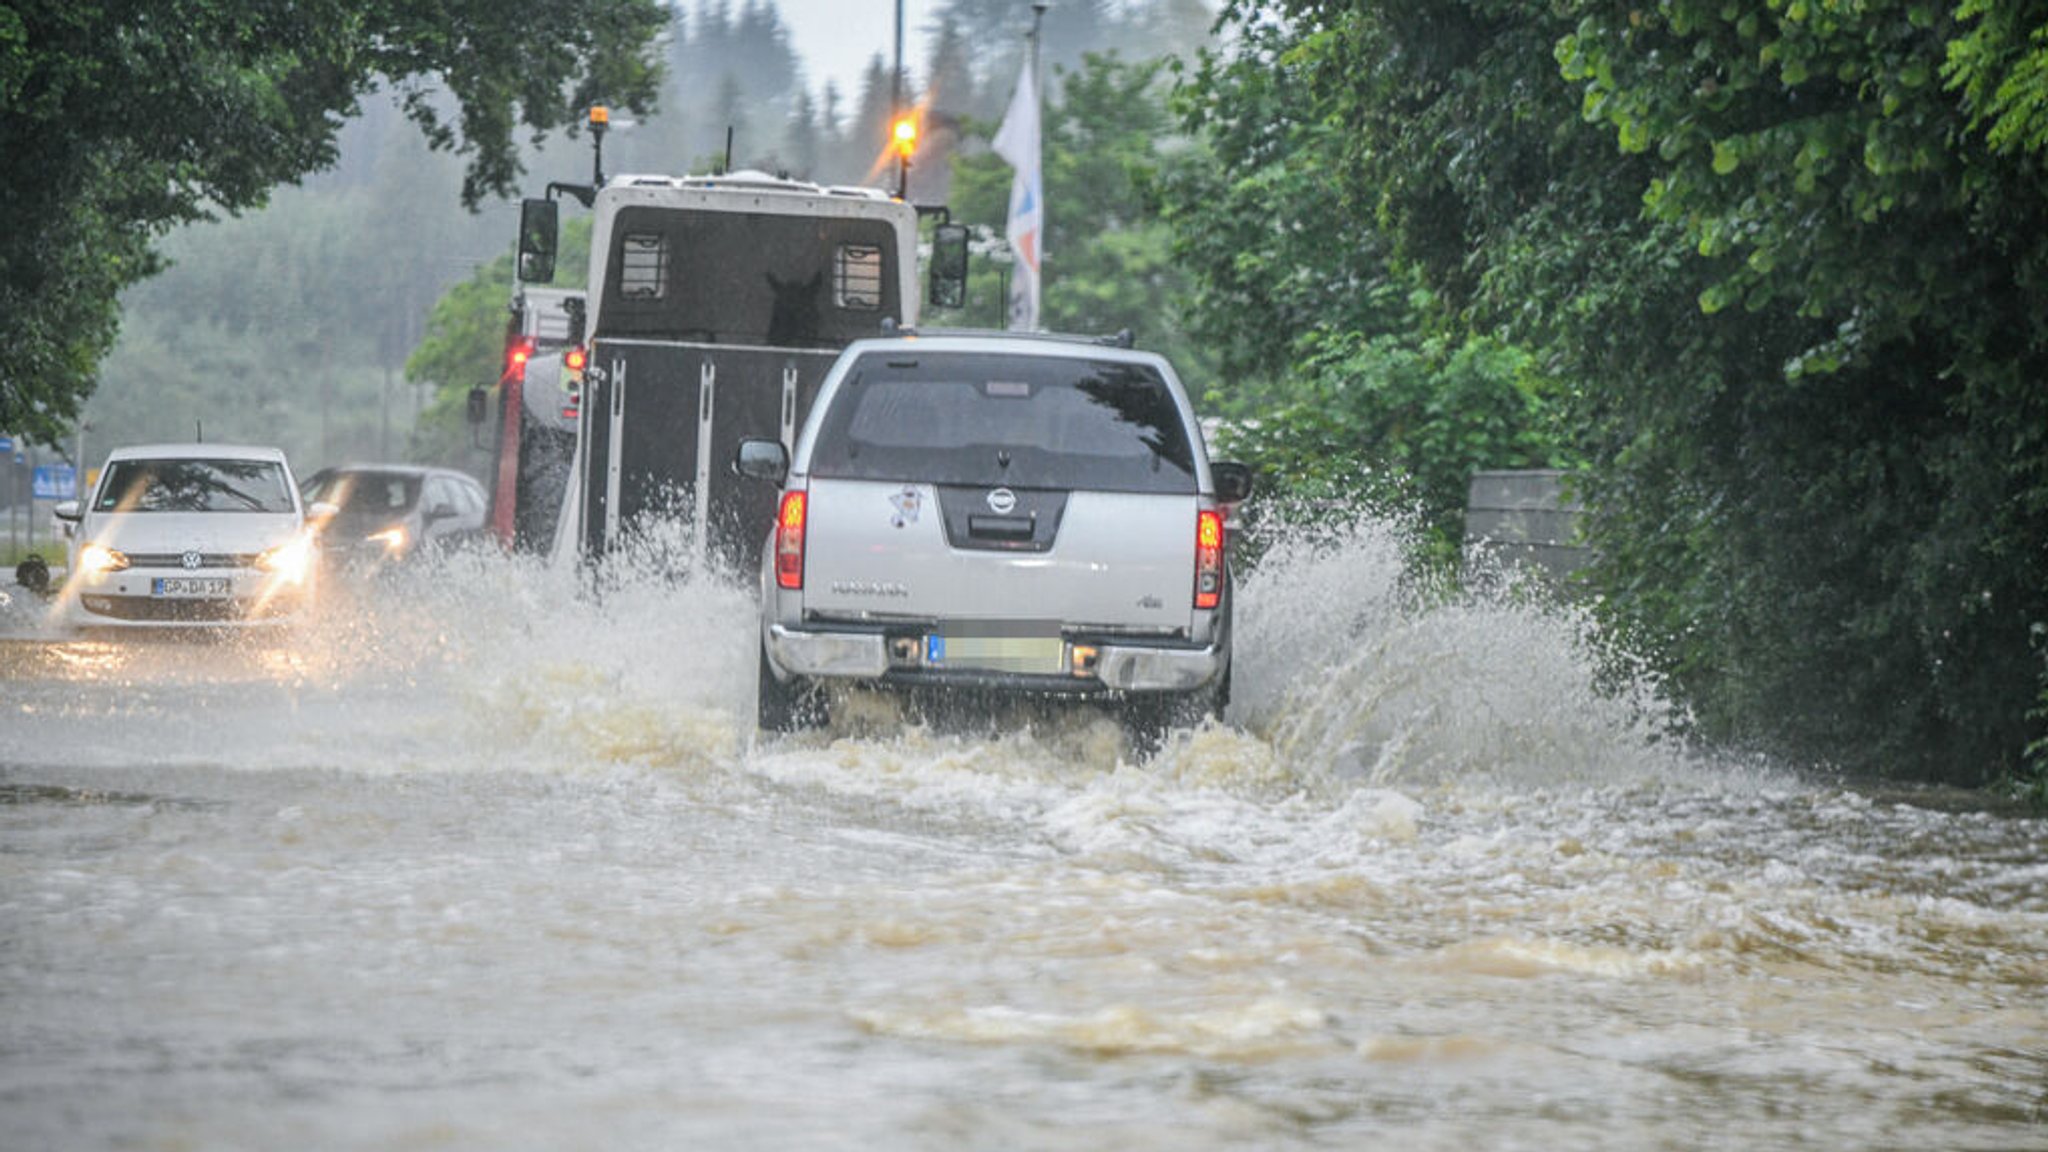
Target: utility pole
x,y
896,111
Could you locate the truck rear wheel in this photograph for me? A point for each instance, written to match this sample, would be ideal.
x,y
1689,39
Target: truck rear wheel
x,y
1148,718
787,706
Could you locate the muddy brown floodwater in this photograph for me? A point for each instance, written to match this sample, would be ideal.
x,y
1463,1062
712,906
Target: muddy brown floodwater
x,y
482,860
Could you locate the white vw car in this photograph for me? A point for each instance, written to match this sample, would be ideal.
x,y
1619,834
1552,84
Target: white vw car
x,y
183,535
998,513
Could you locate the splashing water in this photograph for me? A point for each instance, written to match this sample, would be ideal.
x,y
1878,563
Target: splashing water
x,y
490,855
1351,673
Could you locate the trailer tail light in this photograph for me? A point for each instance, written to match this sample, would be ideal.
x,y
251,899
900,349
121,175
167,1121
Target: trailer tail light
x,y
573,360
1208,558
789,541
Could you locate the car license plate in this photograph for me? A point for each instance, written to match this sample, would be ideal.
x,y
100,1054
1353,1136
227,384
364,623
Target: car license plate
x,y
1044,655
189,586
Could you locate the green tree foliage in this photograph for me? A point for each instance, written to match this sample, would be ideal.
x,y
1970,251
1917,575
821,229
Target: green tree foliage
x,y
1999,61
1888,475
1791,258
291,326
464,348
124,118
1108,256
950,80
1340,393
992,34
1279,244
730,68
1400,425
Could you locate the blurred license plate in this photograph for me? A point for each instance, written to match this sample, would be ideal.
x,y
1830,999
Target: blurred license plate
x,y
189,586
1039,654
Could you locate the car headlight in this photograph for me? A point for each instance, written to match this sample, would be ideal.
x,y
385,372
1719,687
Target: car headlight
x,y
392,538
292,560
94,559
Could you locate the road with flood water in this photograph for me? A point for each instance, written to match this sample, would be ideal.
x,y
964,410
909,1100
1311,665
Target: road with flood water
x,y
493,862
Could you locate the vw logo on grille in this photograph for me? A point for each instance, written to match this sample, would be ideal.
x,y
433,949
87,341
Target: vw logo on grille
x,y
1002,501
191,560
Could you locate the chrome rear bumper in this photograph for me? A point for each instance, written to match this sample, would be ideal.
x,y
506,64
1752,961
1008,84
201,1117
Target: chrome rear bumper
x,y
1119,667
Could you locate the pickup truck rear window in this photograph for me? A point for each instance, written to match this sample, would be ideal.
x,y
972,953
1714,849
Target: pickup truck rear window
x,y
1021,421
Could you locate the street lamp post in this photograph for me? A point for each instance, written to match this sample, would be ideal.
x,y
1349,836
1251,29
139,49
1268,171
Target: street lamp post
x,y
1002,255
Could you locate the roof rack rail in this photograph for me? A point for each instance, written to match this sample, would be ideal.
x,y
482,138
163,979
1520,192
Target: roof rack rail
x,y
1122,338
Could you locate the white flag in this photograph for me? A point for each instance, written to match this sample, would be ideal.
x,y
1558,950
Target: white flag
x,y
1017,142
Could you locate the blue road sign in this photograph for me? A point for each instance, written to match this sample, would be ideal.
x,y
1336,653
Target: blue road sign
x,y
55,482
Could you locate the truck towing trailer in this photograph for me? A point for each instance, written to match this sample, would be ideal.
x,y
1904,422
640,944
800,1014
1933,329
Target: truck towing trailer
x,y
538,410
715,306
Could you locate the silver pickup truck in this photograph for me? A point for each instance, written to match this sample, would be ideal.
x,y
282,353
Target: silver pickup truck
x,y
998,513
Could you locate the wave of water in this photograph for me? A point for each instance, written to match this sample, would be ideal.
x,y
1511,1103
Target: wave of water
x,y
1346,679
1433,854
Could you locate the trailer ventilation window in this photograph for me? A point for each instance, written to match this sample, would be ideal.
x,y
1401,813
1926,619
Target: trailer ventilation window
x,y
857,277
643,266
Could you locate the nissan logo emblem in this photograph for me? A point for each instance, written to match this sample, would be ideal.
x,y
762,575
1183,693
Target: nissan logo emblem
x,y
190,560
1002,501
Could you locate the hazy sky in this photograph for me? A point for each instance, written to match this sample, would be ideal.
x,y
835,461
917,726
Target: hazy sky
x,y
837,37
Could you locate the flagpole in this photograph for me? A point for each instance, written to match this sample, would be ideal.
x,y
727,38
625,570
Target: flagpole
x,y
1017,141
1038,8
1037,18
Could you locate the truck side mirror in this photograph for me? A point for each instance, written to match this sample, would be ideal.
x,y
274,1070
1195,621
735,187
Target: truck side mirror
x,y
1233,481
949,266
537,239
761,460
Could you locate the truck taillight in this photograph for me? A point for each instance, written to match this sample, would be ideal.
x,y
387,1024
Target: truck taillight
x,y
573,360
516,355
1208,559
789,541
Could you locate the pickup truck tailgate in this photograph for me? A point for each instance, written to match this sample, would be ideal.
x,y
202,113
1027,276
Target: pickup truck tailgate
x,y
1114,560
